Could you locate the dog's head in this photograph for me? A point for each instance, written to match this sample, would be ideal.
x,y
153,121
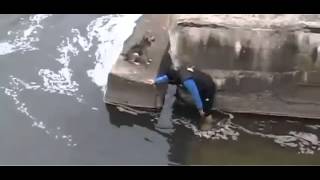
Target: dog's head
x,y
148,38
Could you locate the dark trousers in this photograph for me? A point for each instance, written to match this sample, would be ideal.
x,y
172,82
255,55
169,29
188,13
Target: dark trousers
x,y
185,99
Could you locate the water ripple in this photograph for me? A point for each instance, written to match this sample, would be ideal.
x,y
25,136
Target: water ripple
x,y
225,129
16,87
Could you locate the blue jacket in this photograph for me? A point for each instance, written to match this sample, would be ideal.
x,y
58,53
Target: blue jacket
x,y
189,83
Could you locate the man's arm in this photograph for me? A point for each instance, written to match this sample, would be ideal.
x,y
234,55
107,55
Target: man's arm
x,y
161,79
193,90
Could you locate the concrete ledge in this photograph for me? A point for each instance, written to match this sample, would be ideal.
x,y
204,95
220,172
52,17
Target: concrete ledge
x,y
266,64
263,64
267,104
127,82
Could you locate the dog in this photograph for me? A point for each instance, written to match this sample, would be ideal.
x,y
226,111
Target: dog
x,y
137,54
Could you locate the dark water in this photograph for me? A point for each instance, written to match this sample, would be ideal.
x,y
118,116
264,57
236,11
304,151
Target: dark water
x,y
52,110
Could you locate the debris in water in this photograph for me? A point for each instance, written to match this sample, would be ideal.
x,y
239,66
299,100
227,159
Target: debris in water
x,y
95,108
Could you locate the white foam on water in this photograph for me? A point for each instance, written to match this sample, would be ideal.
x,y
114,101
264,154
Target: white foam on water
x,y
17,86
61,82
24,39
66,49
85,43
95,108
111,32
58,82
224,129
6,48
304,142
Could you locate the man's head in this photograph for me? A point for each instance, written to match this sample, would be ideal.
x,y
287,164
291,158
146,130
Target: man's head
x,y
176,67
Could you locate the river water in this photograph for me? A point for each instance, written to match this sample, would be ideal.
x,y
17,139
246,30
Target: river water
x,y
53,69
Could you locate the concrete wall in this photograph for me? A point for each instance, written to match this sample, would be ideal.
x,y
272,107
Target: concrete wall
x,y
266,58
211,42
262,64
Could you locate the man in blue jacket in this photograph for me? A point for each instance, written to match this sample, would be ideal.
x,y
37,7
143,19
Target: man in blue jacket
x,y
194,82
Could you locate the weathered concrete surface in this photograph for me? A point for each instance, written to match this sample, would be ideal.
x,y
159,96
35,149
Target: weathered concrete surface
x,y
265,64
127,83
274,43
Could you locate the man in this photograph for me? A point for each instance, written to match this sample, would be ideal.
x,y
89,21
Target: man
x,y
193,82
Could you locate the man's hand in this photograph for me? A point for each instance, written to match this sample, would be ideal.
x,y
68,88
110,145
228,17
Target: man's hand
x,y
150,81
201,112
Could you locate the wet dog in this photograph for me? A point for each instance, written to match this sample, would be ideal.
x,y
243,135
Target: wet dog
x,y
137,54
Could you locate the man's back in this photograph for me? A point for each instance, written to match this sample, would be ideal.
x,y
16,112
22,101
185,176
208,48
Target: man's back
x,y
203,81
